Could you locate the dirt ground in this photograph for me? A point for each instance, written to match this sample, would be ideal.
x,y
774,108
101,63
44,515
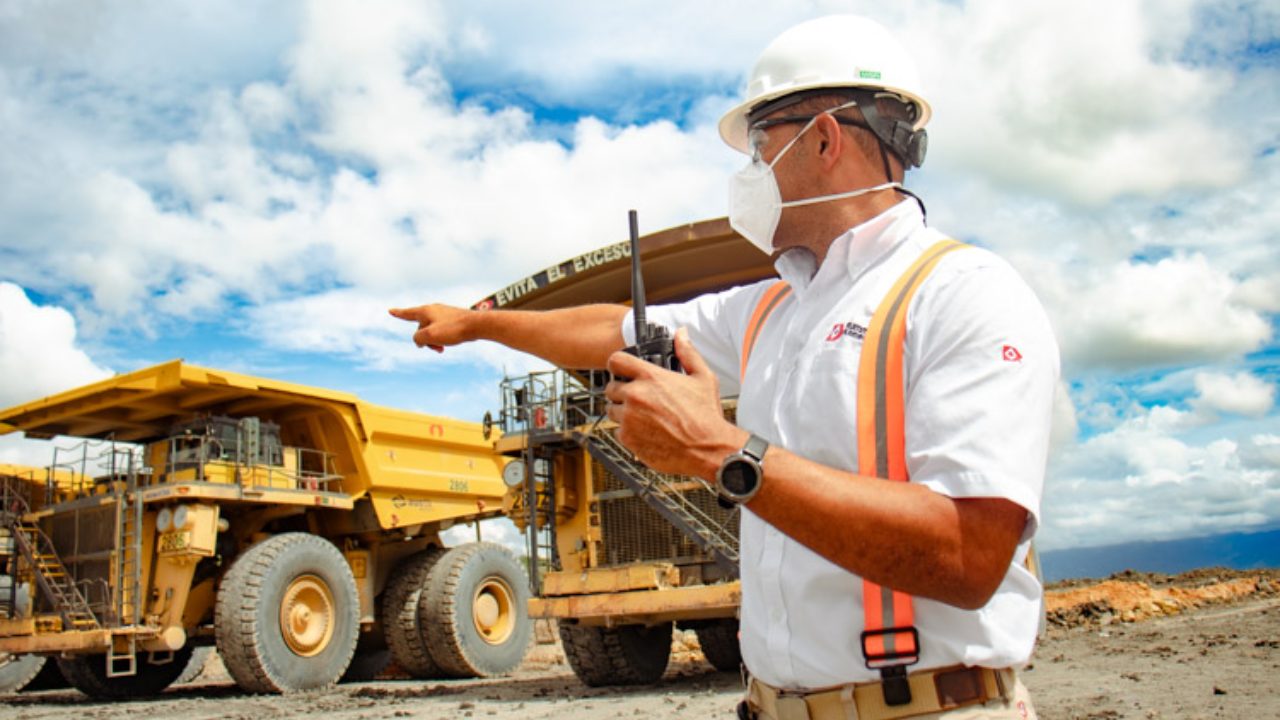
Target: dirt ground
x,y
1201,645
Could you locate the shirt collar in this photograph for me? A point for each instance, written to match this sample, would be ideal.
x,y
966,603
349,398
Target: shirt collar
x,y
856,250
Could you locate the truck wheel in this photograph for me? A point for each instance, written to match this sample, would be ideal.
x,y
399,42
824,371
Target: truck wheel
x,y
475,611
288,615
18,670
623,655
49,678
405,637
88,674
719,641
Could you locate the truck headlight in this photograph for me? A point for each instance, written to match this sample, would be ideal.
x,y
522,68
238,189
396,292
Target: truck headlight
x,y
181,517
513,474
164,519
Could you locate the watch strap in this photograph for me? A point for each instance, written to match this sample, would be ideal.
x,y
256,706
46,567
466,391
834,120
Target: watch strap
x,y
756,447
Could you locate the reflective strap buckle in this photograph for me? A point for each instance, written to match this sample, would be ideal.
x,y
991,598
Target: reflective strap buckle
x,y
897,657
893,665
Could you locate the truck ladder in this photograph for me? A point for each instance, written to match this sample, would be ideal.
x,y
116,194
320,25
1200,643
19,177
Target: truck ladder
x,y
122,655
659,491
51,575
540,499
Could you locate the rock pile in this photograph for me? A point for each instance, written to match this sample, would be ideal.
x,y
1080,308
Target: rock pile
x,y
1132,597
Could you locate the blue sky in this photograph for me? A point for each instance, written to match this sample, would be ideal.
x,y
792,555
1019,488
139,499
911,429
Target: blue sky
x,y
250,186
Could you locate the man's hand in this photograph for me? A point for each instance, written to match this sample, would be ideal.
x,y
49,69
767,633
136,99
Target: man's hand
x,y
672,421
438,325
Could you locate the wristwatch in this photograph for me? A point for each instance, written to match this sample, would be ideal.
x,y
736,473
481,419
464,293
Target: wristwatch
x,y
739,476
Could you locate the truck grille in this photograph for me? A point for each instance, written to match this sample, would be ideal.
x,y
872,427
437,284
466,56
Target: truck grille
x,y
85,541
634,532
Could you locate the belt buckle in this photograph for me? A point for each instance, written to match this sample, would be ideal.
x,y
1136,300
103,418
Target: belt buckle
x,y
960,687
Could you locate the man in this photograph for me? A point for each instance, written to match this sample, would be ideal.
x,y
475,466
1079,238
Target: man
x,y
861,596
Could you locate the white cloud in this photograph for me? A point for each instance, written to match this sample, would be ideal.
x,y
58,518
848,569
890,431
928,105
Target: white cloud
x,y
1240,394
1161,474
1133,314
385,183
1260,292
39,355
1068,99
357,325
1065,424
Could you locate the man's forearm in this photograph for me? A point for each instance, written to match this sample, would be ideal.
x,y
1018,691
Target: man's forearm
x,y
896,534
576,337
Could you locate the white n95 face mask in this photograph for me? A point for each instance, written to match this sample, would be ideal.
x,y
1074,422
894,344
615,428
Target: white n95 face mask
x,y
755,202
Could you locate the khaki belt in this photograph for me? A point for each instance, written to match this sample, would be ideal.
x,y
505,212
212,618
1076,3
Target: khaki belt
x,y
931,691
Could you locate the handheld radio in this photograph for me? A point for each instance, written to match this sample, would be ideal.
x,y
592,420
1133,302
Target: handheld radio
x,y
654,342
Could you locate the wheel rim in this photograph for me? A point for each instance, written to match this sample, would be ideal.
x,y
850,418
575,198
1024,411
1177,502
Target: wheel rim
x,y
493,611
307,614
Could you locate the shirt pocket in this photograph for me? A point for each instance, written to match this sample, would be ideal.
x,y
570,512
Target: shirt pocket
x,y
823,415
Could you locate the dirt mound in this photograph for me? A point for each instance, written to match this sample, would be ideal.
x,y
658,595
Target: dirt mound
x,y
1131,596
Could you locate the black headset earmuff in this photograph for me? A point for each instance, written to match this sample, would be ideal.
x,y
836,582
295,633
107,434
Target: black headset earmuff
x,y
909,144
902,138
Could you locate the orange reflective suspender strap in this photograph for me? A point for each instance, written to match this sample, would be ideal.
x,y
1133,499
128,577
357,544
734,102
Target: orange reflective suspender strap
x,y
768,302
889,639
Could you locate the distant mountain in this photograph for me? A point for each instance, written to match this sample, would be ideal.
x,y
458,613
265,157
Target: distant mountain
x,y
1242,551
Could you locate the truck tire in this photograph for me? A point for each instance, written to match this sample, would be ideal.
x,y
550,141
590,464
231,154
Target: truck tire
x,y
475,611
88,674
49,678
18,670
719,641
622,655
399,614
288,615
195,666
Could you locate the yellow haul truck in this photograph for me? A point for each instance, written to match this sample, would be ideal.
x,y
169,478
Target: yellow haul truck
x,y
295,528
620,553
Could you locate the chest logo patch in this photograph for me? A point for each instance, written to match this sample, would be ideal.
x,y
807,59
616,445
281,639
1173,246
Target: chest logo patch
x,y
1011,354
849,329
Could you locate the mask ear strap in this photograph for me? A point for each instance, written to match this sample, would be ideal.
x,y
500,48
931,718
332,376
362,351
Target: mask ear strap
x,y
924,214
793,141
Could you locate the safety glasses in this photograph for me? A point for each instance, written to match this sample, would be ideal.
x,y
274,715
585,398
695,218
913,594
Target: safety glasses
x,y
758,136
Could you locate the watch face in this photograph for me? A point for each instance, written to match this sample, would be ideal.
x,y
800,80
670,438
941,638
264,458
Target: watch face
x,y
738,477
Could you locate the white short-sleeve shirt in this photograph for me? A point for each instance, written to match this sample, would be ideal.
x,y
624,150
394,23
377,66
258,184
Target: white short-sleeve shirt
x,y
981,364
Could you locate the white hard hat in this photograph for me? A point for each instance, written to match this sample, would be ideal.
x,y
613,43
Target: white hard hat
x,y
837,51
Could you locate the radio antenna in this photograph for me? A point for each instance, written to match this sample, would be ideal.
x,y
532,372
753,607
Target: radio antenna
x,y
637,281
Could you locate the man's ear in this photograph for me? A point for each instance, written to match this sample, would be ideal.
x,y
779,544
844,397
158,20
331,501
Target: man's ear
x,y
831,142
